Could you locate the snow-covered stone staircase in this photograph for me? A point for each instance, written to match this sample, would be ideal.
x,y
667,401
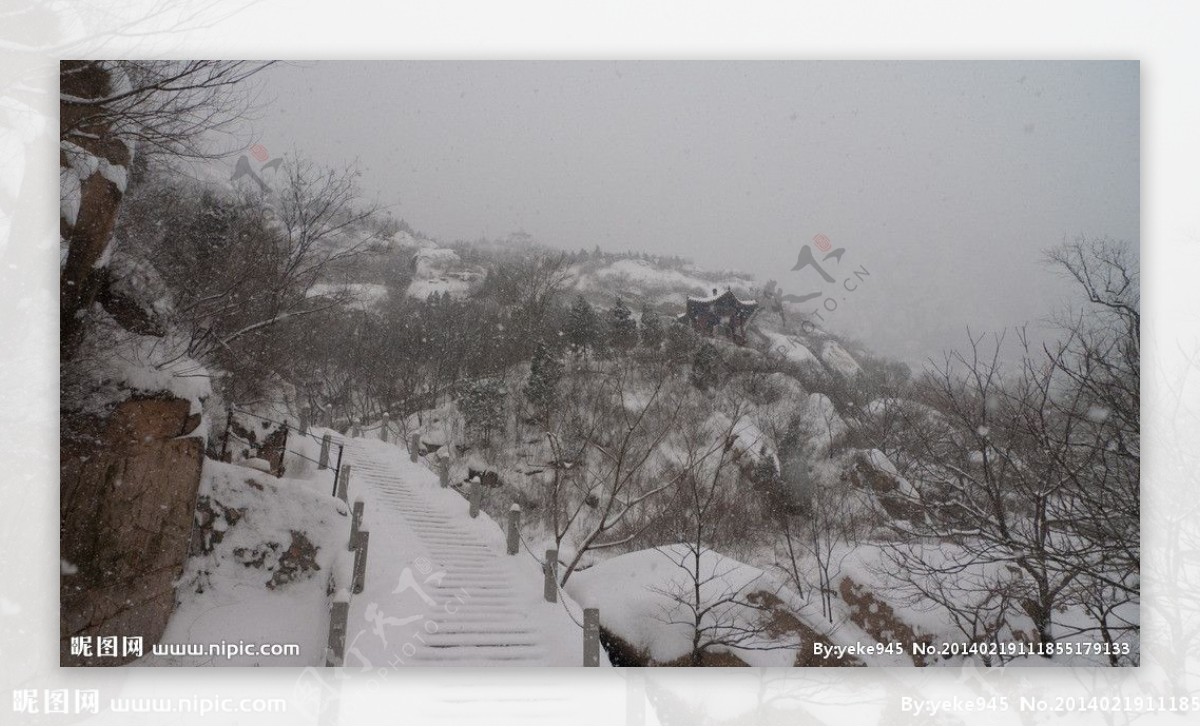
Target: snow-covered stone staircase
x,y
440,587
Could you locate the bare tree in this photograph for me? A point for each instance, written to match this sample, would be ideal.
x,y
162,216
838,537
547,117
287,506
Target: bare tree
x,y
162,107
979,602
107,108
324,219
622,413
1032,486
318,222
990,488
718,599
832,530
1100,359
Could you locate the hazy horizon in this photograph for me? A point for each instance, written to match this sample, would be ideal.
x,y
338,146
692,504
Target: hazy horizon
x,y
946,180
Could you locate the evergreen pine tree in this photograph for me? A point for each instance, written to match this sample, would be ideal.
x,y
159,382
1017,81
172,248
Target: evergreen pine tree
x,y
652,329
482,405
681,342
583,326
765,474
622,328
545,373
706,366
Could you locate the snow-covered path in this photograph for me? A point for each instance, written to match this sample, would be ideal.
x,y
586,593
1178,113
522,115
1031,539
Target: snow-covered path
x,y
440,587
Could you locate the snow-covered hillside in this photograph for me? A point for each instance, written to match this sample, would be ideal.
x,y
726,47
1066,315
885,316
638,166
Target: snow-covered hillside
x,y
648,601
259,570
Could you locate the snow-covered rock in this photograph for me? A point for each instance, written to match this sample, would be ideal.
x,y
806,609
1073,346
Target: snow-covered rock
x,y
824,425
267,547
441,270
364,295
643,599
647,600
791,349
839,360
127,363
258,463
430,262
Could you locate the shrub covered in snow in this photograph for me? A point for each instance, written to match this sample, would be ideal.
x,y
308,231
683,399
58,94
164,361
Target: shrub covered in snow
x,y
262,553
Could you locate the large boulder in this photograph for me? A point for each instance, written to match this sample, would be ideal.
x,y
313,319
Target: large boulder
x,y
873,472
128,492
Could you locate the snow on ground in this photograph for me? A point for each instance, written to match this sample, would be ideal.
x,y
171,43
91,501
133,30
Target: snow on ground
x,y
268,546
82,164
880,461
457,285
643,599
791,349
651,280
839,360
441,589
646,599
747,440
364,295
431,261
440,270
126,362
822,422
869,565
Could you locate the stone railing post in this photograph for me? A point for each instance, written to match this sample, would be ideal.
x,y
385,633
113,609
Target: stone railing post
x,y
335,652
591,637
476,495
343,489
444,466
356,522
323,460
550,570
360,560
514,528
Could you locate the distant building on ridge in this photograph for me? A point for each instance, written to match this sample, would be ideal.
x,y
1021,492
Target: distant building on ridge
x,y
720,314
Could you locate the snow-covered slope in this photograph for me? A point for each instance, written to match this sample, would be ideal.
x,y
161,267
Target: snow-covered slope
x,y
266,548
643,281
647,599
441,270
441,589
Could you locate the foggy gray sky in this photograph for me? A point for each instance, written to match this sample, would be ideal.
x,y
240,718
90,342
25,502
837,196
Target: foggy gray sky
x,y
945,180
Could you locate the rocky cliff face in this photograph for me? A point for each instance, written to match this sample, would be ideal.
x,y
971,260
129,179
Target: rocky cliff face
x,y
93,160
129,472
128,496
